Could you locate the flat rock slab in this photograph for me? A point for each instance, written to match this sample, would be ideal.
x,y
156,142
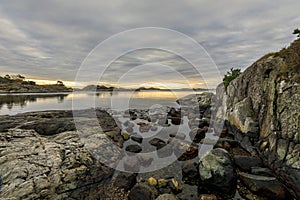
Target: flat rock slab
x,y
264,186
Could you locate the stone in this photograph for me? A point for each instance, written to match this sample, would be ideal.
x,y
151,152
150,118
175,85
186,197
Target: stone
x,y
129,129
190,172
190,153
54,126
217,172
132,164
137,138
133,148
197,134
164,150
268,187
125,136
208,197
152,181
245,163
262,171
157,142
154,128
125,180
143,191
175,186
189,192
162,182
178,135
167,197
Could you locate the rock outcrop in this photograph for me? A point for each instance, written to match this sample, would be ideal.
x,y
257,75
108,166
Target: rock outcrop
x,y
39,163
262,109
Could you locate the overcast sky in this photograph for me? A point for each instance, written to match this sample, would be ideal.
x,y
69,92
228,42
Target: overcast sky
x,y
50,39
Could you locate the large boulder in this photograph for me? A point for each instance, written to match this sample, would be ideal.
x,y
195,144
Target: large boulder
x,y
217,172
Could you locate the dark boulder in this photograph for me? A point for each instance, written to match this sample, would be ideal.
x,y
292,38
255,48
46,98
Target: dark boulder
x,y
143,191
217,172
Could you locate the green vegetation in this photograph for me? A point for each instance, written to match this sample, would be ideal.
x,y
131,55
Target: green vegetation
x,y
231,75
297,31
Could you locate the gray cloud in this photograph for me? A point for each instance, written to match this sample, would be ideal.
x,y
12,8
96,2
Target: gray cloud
x,y
50,39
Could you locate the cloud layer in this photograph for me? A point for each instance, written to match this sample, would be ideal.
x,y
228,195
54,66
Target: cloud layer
x,y
50,39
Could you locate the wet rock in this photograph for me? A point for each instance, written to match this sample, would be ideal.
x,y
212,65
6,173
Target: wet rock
x,y
137,138
262,171
162,122
132,164
175,186
129,129
125,180
143,191
126,123
197,134
144,129
52,126
125,136
189,192
165,150
190,172
217,172
190,153
115,136
145,160
208,197
154,128
157,142
202,123
162,183
268,187
178,135
176,120
133,148
245,163
167,197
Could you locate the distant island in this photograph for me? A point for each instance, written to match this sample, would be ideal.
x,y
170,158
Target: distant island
x,y
18,84
99,88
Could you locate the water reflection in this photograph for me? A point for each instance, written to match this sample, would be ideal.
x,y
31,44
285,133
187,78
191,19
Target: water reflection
x,y
22,100
11,104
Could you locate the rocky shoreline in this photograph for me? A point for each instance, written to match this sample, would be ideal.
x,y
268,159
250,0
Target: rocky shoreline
x,y
242,143
10,88
52,160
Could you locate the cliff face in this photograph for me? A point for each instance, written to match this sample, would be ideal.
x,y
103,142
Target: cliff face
x,y
262,106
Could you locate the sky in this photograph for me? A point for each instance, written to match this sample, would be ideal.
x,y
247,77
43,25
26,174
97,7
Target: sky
x,y
92,41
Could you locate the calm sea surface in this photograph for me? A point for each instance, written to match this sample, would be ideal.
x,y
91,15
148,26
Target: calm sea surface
x,y
11,104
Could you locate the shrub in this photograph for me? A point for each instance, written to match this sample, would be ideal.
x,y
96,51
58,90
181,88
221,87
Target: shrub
x,y
297,31
231,75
